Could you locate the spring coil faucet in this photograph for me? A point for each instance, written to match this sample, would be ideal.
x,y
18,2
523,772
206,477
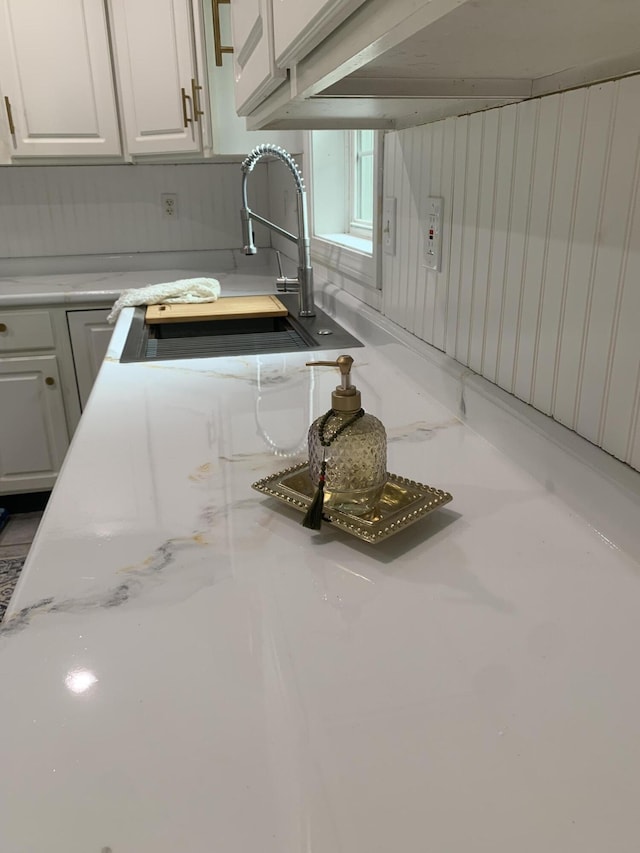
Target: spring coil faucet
x,y
304,281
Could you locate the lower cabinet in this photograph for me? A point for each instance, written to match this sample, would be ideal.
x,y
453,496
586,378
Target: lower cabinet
x,y
33,427
90,335
49,359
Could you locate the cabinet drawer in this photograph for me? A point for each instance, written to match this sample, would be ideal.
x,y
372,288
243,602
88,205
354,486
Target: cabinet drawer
x,y
25,330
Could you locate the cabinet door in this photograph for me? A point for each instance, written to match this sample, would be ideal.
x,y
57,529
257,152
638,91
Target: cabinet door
x,y
33,430
90,335
256,72
157,74
300,25
55,74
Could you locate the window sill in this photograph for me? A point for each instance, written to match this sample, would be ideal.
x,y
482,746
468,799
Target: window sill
x,y
348,241
344,258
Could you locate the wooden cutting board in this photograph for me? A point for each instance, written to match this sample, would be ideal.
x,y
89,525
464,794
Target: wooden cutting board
x,y
226,308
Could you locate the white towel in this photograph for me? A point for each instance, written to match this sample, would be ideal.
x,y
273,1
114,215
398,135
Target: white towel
x,y
184,290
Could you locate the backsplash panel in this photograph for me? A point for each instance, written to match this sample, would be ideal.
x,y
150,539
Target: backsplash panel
x,y
85,210
541,252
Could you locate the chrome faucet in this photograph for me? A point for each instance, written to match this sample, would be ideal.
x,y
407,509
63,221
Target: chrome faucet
x,y
304,282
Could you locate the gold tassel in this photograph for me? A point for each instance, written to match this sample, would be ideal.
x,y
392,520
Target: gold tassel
x,y
313,516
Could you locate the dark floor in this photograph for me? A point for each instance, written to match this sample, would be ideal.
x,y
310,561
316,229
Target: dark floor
x,y
25,512
18,534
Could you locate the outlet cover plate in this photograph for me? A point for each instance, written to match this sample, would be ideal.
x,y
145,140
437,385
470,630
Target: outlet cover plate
x,y
389,207
433,234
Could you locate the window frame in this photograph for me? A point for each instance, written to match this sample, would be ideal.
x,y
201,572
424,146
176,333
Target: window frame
x,y
357,226
350,256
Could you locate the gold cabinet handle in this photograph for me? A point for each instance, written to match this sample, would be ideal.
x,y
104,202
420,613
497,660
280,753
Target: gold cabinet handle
x,y
3,327
50,380
7,106
218,47
197,112
185,117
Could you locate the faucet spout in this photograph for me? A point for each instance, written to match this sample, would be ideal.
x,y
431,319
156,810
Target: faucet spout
x,y
247,232
304,281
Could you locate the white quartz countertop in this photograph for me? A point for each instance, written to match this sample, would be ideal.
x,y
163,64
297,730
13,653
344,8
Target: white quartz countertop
x,y
102,278
63,289
186,668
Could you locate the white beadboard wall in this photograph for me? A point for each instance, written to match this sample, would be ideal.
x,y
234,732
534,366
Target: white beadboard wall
x,y
85,210
540,284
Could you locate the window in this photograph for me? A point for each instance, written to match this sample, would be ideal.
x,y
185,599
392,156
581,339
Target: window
x,y
361,182
345,184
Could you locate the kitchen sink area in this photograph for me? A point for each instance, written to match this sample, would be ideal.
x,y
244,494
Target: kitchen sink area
x,y
218,338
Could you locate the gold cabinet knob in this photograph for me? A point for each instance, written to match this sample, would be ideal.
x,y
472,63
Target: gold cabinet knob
x,y
3,327
50,380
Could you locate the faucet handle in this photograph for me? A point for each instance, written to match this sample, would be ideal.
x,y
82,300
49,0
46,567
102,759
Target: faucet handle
x,y
283,283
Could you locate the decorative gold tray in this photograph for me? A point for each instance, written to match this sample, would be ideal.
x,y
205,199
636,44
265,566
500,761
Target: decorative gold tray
x,y
403,501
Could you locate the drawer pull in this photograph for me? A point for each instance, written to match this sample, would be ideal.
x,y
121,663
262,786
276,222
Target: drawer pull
x,y
50,380
195,100
186,120
7,106
3,327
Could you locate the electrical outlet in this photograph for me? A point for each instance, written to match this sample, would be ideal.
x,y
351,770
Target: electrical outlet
x,y
433,234
389,225
170,205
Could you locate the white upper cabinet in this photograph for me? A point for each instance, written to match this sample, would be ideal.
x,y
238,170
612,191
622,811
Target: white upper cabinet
x,y
56,80
300,25
86,78
158,73
256,73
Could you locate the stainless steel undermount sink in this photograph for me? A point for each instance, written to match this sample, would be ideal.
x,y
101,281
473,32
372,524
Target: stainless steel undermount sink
x,y
219,338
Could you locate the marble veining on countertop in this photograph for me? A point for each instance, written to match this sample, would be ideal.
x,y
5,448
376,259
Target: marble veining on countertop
x,y
188,668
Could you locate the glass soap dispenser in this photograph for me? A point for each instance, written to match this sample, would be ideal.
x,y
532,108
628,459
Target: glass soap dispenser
x,y
347,453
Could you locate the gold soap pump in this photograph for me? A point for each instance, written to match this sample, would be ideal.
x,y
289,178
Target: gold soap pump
x,y
347,452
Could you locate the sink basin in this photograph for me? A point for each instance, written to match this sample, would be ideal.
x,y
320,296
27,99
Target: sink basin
x,y
219,338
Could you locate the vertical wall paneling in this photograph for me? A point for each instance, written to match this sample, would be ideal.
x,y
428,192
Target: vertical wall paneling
x,y
83,210
408,217
445,188
413,187
562,209
484,232
620,410
389,271
613,236
431,173
541,252
423,306
457,230
505,154
517,245
475,132
593,156
543,175
397,308
620,414
401,231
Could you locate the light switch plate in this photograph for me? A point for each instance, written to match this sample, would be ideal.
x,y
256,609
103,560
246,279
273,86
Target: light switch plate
x,y
389,225
433,234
